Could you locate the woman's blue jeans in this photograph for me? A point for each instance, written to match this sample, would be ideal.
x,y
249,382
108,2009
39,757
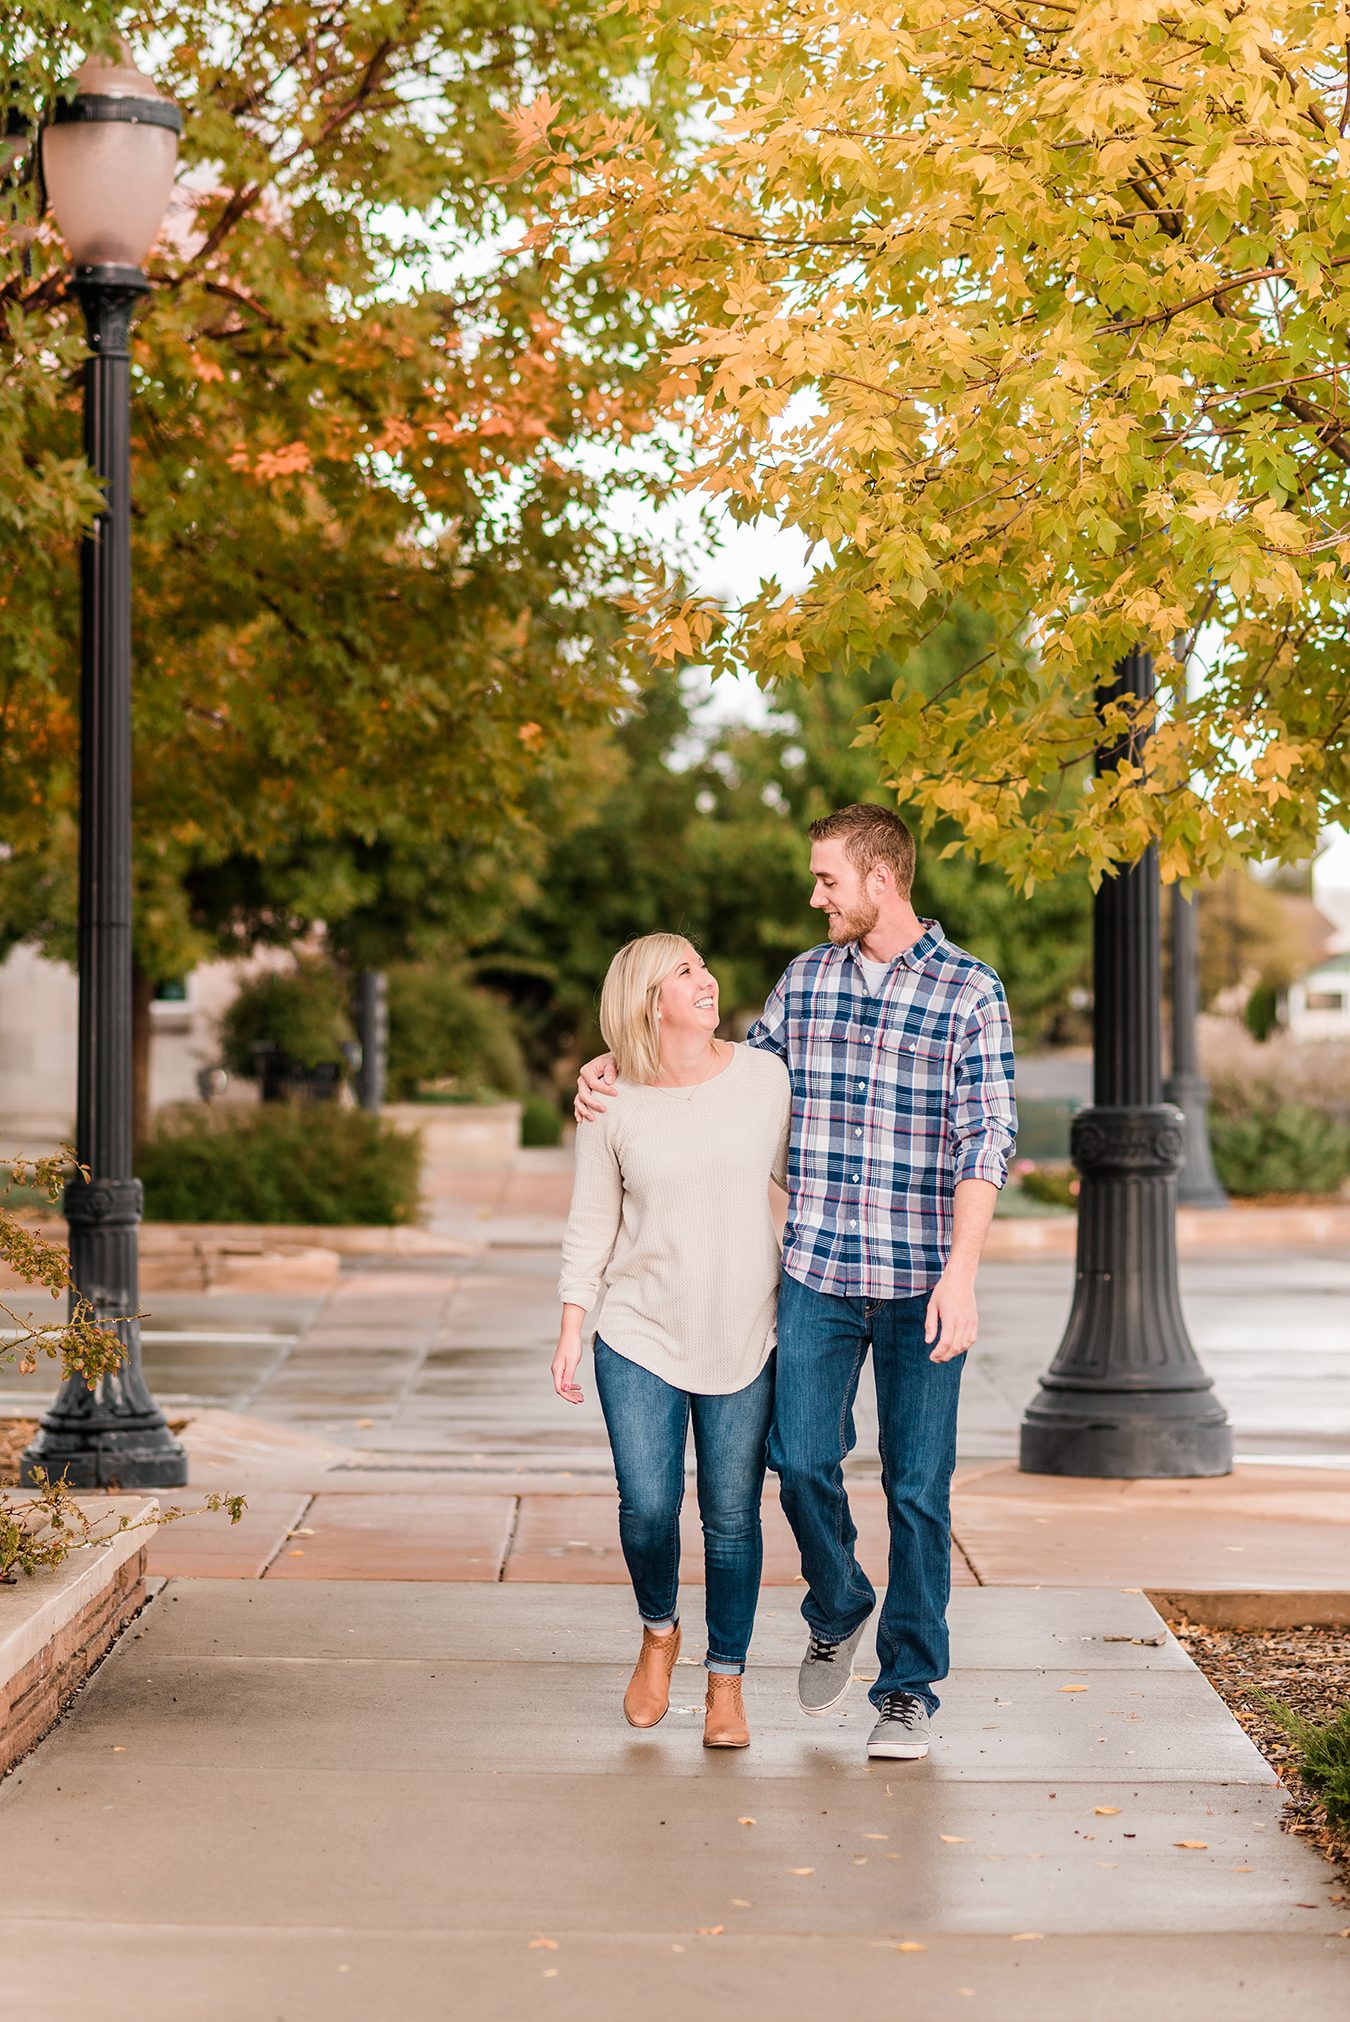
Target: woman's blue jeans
x,y
648,1422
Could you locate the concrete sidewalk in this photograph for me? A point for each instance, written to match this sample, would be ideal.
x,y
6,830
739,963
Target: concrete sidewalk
x,y
389,1800
363,1755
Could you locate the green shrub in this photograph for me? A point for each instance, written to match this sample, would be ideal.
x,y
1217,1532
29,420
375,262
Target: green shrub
x,y
541,1121
302,1014
281,1162
1323,1755
442,1028
1056,1186
1288,1149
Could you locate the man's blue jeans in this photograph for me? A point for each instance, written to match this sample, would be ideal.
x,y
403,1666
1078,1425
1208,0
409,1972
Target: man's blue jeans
x,y
822,1344
648,1422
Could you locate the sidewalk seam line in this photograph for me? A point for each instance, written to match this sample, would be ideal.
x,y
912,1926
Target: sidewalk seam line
x,y
511,1530
275,1553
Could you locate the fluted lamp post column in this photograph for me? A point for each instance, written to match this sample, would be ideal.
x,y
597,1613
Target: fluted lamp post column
x,y
1125,1397
1199,1185
108,157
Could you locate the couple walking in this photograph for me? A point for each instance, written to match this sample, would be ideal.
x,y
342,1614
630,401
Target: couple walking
x,y
877,1091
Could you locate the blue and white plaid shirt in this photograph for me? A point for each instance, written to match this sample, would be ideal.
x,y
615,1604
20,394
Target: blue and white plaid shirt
x,y
895,1097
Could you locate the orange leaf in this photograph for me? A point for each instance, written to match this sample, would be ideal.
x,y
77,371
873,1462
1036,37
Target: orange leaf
x,y
1199,1844
543,1944
801,1871
1107,1810
1073,1688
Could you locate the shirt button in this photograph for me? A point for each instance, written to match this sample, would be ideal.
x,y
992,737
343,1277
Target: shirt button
x,y
853,1225
857,1130
857,1176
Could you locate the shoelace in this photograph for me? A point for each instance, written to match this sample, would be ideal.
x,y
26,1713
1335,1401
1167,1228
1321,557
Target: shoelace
x,y
821,1652
902,1707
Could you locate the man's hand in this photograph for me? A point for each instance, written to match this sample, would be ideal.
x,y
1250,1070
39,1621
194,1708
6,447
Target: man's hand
x,y
595,1084
953,1318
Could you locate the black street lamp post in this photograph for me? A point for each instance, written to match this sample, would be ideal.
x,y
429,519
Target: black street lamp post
x,y
1198,1185
1126,1397
108,158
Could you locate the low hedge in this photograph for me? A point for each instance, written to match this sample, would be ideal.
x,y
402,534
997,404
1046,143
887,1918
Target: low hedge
x,y
282,1162
1289,1148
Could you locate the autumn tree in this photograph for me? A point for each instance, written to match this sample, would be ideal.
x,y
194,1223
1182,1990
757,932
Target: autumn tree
x,y
1042,307
376,558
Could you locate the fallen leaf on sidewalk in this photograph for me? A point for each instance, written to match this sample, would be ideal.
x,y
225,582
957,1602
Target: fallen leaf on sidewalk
x,y
1107,1810
801,1871
950,1839
1199,1844
306,1531
1026,1937
747,1821
741,1903
1073,1688
365,1423
543,1944
710,1930
1244,1871
119,1748
550,1972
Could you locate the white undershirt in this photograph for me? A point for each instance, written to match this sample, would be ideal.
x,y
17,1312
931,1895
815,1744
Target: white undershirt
x,y
874,974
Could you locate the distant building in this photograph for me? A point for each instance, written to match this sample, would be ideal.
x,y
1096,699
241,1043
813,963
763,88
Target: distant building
x,y
1318,1004
39,1011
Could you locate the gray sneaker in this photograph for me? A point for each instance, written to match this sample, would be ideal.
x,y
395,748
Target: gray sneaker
x,y
827,1672
902,1731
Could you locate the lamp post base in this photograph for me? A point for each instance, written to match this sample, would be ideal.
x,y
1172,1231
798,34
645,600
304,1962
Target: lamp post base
x,y
1113,1438
112,1434
1125,1398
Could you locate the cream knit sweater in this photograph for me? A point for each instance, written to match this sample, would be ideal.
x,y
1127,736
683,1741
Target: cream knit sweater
x,y
670,1245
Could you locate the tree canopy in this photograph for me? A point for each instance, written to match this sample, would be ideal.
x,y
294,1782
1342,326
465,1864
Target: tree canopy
x,y
376,561
1042,307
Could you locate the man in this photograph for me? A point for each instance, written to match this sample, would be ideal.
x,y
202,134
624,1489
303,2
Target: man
x,y
899,1050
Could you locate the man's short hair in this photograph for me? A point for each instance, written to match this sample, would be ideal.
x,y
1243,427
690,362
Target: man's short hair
x,y
871,836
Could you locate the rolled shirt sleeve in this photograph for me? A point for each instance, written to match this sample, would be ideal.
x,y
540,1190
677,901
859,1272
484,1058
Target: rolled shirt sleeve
x,y
984,1112
594,1218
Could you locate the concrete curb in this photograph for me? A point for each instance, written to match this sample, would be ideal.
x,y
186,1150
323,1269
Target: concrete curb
x,y
1254,1610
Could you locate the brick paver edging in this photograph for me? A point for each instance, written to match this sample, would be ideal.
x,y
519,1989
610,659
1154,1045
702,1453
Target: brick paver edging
x,y
56,1626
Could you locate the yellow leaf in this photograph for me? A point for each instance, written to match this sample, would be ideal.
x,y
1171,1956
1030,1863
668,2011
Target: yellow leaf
x,y
1026,1937
1199,1844
950,1839
801,1871
1107,1810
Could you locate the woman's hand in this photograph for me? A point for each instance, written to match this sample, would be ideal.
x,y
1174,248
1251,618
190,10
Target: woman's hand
x,y
596,1082
565,1364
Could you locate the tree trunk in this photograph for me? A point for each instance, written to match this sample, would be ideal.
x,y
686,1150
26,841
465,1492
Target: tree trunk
x,y
142,994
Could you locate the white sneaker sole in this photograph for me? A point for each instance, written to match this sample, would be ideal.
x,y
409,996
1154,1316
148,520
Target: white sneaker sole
x,y
897,1751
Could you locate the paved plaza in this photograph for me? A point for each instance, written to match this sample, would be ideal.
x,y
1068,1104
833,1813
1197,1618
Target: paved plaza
x,y
363,1756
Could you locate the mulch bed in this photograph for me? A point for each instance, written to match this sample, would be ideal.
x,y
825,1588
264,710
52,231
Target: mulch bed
x,y
1308,1669
15,1434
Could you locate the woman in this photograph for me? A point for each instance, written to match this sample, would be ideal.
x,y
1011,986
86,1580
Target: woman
x,y
670,1248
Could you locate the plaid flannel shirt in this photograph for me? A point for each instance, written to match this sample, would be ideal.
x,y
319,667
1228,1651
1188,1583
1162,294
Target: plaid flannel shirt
x,y
895,1098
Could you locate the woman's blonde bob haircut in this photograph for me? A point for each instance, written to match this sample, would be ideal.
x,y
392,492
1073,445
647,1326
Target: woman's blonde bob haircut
x,y
629,999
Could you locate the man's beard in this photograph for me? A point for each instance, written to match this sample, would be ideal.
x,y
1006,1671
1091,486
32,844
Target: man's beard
x,y
854,926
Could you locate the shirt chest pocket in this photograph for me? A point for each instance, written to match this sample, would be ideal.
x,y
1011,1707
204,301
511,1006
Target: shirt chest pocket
x,y
914,1069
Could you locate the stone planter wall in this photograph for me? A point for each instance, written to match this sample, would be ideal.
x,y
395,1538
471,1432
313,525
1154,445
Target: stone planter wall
x,y
55,1627
461,1134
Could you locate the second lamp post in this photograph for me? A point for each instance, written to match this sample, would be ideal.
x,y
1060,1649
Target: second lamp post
x,y
108,157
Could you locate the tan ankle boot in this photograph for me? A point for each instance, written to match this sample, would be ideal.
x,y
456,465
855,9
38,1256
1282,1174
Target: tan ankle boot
x,y
725,1725
648,1695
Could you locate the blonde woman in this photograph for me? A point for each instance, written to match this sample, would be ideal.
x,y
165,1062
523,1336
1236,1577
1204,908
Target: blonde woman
x,y
670,1249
